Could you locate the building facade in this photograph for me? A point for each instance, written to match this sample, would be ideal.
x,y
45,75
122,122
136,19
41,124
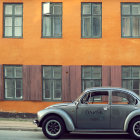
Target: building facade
x,y
51,50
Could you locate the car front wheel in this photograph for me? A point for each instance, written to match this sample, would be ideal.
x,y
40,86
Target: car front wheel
x,y
135,128
53,127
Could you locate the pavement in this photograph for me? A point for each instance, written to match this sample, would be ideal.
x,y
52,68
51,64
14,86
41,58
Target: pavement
x,y
19,125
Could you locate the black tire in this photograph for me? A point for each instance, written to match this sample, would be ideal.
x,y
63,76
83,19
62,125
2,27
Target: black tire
x,y
134,129
53,127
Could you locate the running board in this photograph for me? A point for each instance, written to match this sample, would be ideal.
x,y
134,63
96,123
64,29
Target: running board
x,y
101,131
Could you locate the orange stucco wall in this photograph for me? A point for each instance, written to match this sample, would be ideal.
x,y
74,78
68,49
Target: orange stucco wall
x,y
24,106
71,49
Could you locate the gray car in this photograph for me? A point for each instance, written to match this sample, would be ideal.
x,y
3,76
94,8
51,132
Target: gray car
x,y
103,109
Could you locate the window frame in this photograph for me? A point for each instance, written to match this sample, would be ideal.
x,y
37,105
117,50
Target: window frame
x,y
98,101
90,15
13,20
52,16
130,78
52,79
122,102
83,79
131,18
13,78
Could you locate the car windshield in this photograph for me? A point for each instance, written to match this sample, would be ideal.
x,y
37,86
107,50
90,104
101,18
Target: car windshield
x,y
77,100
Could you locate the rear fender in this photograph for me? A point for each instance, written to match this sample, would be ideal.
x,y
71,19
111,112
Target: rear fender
x,y
130,117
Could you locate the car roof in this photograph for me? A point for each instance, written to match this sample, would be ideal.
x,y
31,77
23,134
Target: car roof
x,y
112,88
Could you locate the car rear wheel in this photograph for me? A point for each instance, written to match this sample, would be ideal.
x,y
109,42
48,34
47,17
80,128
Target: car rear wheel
x,y
135,128
53,127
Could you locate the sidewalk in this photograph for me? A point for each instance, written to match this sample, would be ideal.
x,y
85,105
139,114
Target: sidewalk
x,y
18,125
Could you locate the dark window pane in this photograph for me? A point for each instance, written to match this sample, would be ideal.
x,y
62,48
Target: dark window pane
x,y
57,88
57,26
57,72
47,94
18,31
47,72
136,26
96,83
86,72
127,84
9,83
9,93
9,72
91,83
18,21
87,84
18,9
46,26
96,9
9,88
86,26
47,88
19,83
96,73
136,9
136,84
126,72
47,84
57,10
86,8
57,94
18,71
8,21
126,26
57,84
8,31
18,93
8,9
126,9
96,26
136,72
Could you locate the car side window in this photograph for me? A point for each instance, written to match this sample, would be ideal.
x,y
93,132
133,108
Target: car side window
x,y
97,97
119,97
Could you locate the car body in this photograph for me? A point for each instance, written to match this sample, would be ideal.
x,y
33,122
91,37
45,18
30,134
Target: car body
x,y
100,109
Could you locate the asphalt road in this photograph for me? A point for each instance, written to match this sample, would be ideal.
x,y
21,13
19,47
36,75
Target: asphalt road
x,y
37,135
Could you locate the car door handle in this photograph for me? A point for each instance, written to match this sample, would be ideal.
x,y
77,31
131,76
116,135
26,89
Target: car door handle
x,y
106,108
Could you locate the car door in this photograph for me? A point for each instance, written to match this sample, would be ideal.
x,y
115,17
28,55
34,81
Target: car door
x,y
93,112
122,105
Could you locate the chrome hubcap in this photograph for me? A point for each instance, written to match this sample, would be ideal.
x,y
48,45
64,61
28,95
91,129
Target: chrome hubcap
x,y
136,128
53,127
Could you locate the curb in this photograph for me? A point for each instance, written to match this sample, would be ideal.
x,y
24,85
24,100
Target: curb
x,y
17,115
21,129
18,125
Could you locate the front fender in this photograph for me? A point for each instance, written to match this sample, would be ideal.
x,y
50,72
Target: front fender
x,y
130,117
67,119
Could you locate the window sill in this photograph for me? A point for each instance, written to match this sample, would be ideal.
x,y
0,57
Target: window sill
x,y
12,37
91,38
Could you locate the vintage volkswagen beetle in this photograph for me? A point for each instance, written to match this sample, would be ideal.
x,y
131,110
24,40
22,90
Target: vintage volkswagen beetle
x,y
97,109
